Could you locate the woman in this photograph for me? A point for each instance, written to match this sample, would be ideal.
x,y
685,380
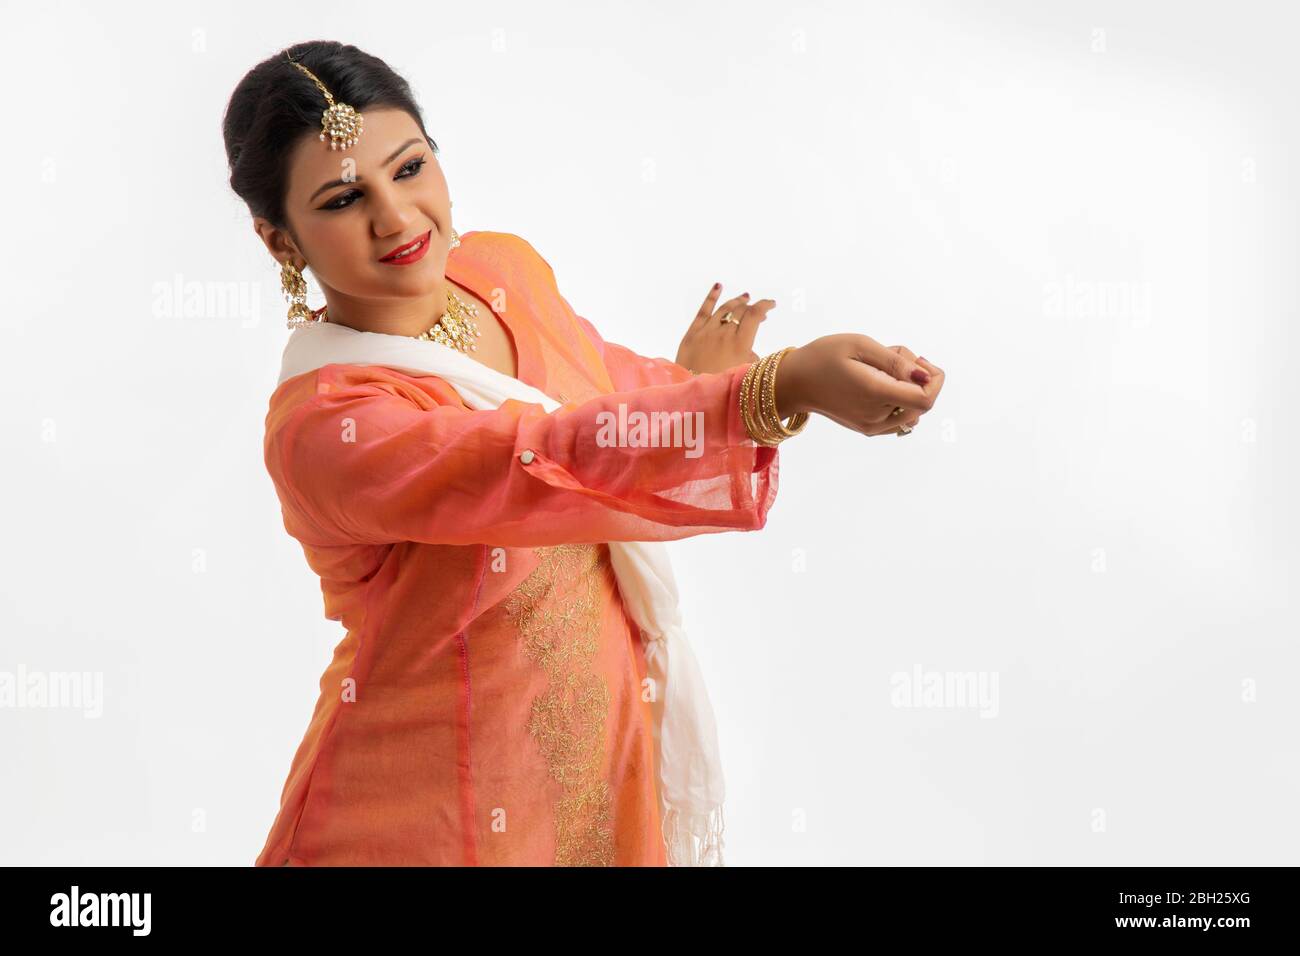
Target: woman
x,y
490,704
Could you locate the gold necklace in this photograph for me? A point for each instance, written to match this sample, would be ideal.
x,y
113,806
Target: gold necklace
x,y
456,328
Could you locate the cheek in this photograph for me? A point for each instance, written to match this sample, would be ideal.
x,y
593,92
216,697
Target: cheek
x,y
436,186
342,249
334,241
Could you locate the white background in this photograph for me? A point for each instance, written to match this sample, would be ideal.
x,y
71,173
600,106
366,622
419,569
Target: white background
x,y
1085,213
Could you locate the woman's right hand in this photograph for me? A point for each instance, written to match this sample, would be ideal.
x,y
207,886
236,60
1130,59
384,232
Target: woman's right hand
x,y
855,381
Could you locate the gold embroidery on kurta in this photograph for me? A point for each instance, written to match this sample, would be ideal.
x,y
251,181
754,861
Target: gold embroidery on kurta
x,y
557,610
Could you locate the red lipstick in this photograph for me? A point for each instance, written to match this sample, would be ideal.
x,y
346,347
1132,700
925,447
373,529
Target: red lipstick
x,y
395,259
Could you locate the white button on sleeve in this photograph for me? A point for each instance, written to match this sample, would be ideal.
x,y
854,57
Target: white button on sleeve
x,y
527,456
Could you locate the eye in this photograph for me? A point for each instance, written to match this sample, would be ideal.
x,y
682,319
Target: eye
x,y
415,165
410,168
338,201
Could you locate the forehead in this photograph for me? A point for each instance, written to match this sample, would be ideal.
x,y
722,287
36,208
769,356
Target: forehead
x,y
312,163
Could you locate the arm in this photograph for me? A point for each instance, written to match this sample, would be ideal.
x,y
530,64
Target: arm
x,y
627,369
367,464
630,370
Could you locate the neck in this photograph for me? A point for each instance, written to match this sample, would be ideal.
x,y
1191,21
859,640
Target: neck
x,y
409,316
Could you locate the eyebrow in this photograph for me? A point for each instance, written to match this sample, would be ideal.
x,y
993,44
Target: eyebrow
x,y
347,182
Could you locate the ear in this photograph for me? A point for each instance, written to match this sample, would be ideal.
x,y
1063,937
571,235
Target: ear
x,y
277,241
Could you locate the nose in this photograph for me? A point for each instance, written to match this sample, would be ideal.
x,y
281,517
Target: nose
x,y
392,215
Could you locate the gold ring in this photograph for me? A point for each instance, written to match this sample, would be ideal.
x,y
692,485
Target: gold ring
x,y
727,318
898,410
904,430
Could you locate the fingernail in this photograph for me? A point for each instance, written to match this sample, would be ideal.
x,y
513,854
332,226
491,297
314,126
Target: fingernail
x,y
920,376
744,295
717,286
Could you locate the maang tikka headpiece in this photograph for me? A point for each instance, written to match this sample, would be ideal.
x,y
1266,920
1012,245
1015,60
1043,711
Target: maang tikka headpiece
x,y
340,121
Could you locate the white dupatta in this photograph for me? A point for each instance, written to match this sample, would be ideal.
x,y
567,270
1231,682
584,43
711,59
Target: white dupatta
x,y
690,785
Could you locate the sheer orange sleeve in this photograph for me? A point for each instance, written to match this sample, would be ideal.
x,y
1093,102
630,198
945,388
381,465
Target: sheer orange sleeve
x,y
629,369
365,463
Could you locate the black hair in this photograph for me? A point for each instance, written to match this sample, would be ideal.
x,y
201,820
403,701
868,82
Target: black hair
x,y
275,104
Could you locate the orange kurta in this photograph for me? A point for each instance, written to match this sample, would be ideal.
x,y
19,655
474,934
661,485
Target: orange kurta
x,y
486,704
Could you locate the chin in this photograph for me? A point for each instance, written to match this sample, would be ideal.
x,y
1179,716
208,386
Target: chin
x,y
426,283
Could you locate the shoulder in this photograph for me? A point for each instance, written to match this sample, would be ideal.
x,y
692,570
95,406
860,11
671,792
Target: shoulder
x,y
325,393
500,243
341,379
506,252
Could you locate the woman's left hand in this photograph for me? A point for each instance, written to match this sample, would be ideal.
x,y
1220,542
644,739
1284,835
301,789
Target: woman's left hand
x,y
712,345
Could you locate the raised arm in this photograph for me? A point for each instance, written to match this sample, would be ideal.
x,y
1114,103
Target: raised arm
x,y
365,463
629,370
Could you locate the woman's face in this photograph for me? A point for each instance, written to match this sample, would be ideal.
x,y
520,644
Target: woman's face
x,y
350,208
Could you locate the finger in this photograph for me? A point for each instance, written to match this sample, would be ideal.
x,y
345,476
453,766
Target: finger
x,y
930,367
937,377
903,381
891,425
890,391
907,353
735,306
903,419
911,422
869,428
706,309
749,322
894,363
879,420
880,414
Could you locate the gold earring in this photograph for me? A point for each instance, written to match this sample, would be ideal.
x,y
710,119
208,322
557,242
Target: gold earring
x,y
295,293
455,239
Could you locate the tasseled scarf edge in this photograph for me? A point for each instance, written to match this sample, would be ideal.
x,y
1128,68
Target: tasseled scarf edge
x,y
695,845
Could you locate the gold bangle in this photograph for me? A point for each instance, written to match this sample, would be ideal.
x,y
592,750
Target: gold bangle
x,y
799,419
758,427
747,392
746,388
766,383
758,403
769,421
